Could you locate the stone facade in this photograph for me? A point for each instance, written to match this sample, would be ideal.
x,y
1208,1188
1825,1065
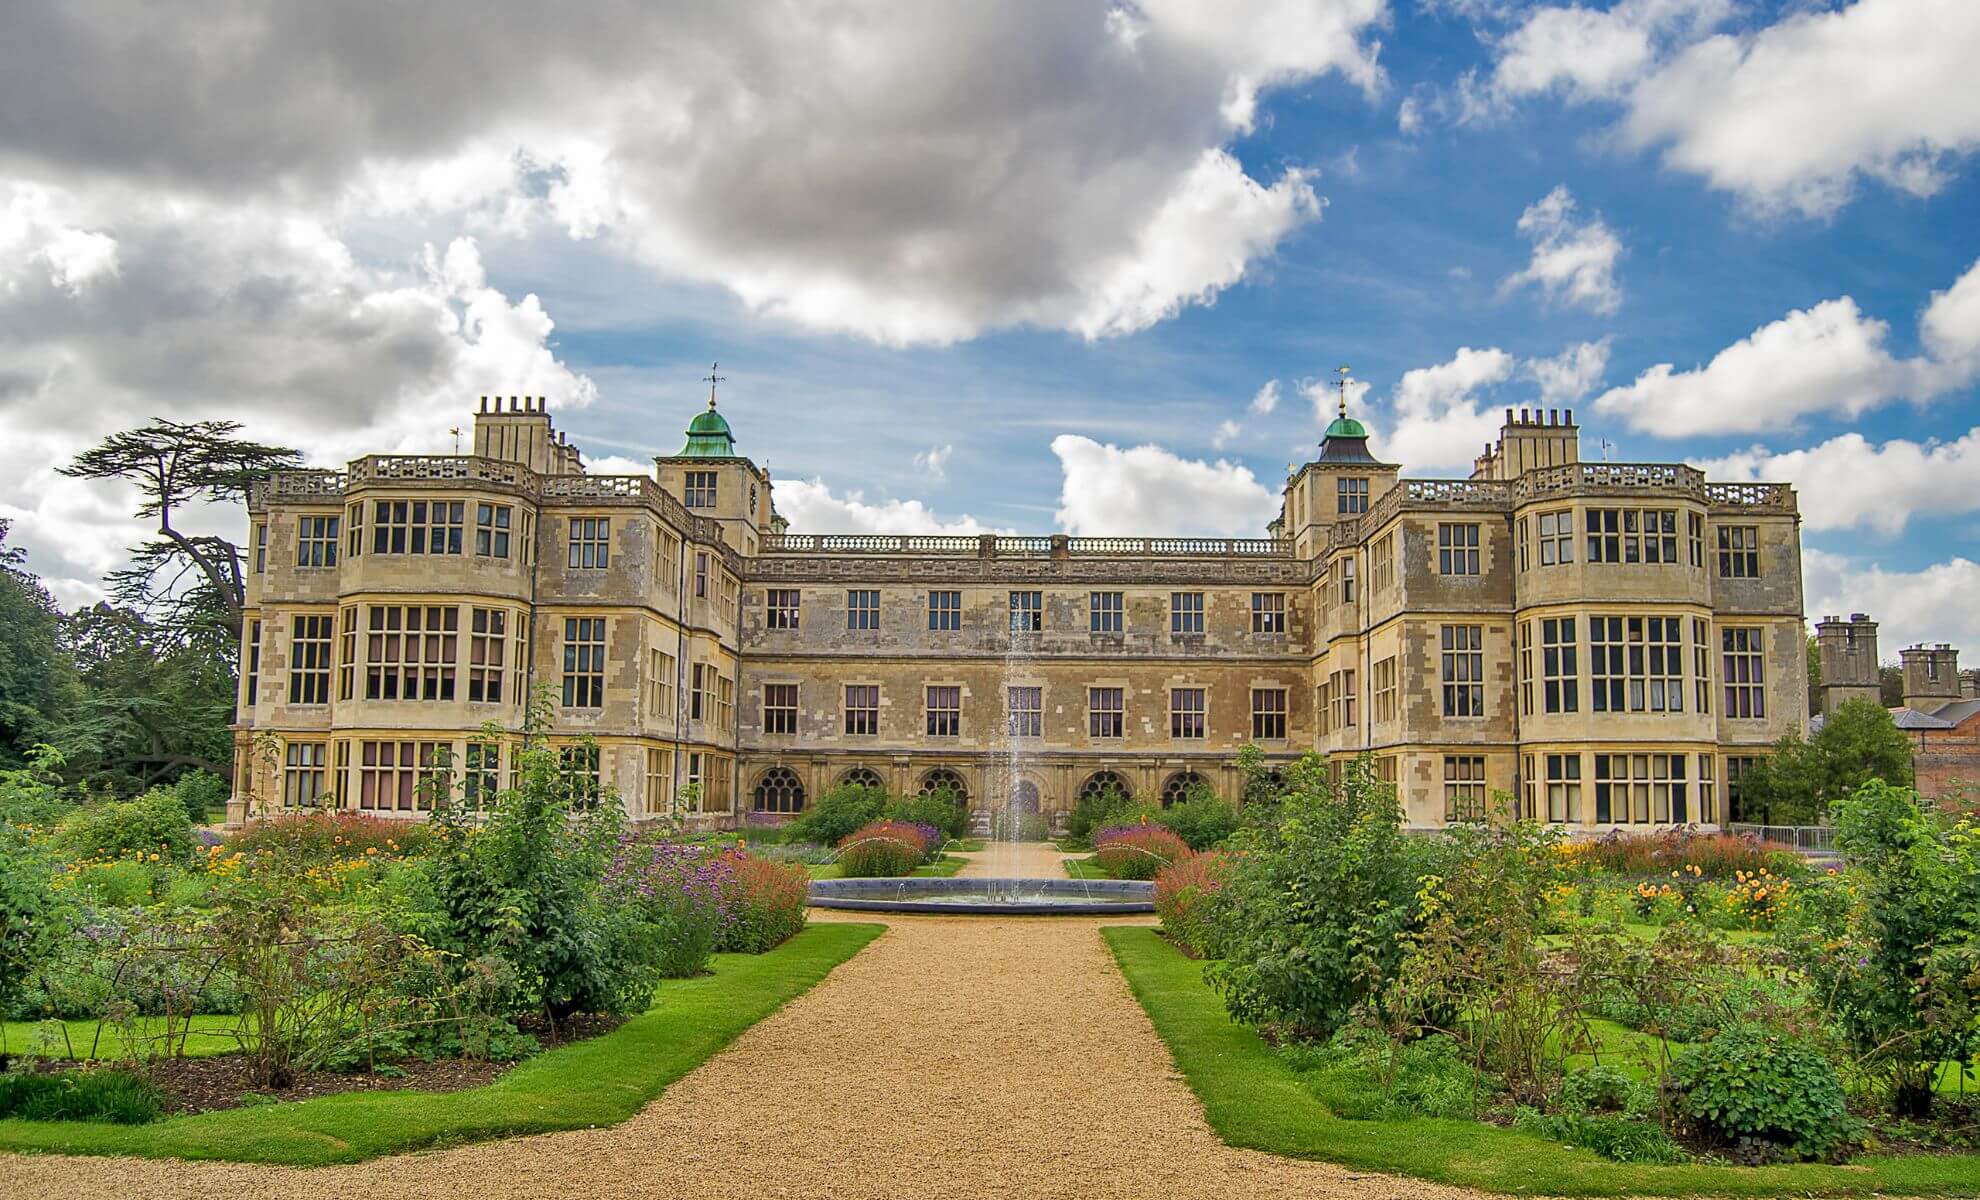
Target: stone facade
x,y
1608,643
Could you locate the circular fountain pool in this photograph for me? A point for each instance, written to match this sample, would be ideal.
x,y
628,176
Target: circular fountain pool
x,y
987,897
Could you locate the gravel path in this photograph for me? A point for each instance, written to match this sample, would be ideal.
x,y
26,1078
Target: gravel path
x,y
1021,860
953,1057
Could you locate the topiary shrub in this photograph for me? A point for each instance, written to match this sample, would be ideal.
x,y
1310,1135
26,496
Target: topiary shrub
x,y
768,904
836,814
1185,895
1753,1084
154,823
1137,851
886,848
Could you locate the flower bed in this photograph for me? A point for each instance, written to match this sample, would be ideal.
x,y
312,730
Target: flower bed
x,y
1184,891
766,903
1137,851
887,848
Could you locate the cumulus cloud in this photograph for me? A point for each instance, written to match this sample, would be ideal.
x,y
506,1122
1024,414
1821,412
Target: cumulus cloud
x,y
1227,430
1574,262
1830,358
1849,482
1571,374
1144,490
811,507
1589,54
1266,398
1933,604
1435,419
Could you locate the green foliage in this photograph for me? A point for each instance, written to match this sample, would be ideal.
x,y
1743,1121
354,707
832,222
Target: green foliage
x,y
157,699
1202,820
769,905
31,795
1753,1083
1186,896
38,685
155,823
1010,825
113,1097
1100,808
1317,902
1370,1079
836,814
33,919
940,808
1617,1138
203,794
1802,781
1598,1089
1263,785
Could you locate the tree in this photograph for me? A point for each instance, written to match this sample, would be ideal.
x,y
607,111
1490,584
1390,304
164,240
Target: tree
x,y
173,465
1890,685
1814,676
156,703
38,687
1800,782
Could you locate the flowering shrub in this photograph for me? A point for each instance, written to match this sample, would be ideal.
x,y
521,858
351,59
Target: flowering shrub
x,y
768,903
1759,898
153,824
329,836
1701,855
887,848
1137,851
1184,894
673,904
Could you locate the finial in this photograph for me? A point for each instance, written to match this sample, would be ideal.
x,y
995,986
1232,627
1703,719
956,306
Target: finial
x,y
1343,386
711,379
456,431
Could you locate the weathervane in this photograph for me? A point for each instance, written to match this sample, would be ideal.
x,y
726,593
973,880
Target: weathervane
x,y
1343,386
456,431
711,379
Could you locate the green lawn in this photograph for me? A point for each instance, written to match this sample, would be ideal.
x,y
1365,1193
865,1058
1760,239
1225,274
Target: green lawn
x,y
1085,868
941,868
1252,1100
210,1035
597,1082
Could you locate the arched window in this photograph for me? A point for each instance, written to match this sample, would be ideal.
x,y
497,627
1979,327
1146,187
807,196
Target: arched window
x,y
1105,783
1181,786
864,777
778,791
1024,796
942,779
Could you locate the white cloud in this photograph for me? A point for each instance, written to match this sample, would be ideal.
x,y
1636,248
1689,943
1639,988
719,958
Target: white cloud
x,y
1435,420
811,507
1789,117
1571,374
1267,398
1827,359
1573,262
1226,431
1409,116
616,464
1325,396
934,462
1146,490
1590,54
1934,604
1849,483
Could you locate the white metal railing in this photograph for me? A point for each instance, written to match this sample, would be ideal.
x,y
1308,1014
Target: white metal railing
x,y
1808,839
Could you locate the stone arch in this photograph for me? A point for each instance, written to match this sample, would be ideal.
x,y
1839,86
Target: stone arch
x,y
1105,780
1024,796
945,778
863,777
1179,786
777,790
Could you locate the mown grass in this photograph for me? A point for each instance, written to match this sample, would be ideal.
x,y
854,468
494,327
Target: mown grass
x,y
941,868
1253,1100
598,1082
1085,868
80,1038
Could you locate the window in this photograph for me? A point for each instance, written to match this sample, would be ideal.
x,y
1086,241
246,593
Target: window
x,y
1106,712
1268,612
1737,768
1564,788
1636,664
1183,786
862,608
1701,663
945,611
1630,535
1744,673
1739,552
667,564
302,773
1382,562
483,781
591,543
1663,637
1525,558
1268,714
260,547
1185,612
1622,789
660,674
659,780
1457,549
1464,787
1027,612
944,706
410,652
780,707
488,646
316,541
578,772
1347,581
1323,707
1560,674
584,662
398,776
491,530
862,709
353,543
1103,612
1341,693
1669,792
1708,798
416,526
1695,527
780,608
778,791
1106,787
528,537
701,574
945,782
251,680
347,655
699,489
1556,537
1026,711
309,659
1351,495
1187,716
1384,680
725,701
1463,670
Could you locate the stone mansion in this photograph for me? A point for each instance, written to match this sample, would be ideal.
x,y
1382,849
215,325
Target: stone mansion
x,y
1609,643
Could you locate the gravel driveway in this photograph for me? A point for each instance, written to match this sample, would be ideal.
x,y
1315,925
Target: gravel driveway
x,y
954,1057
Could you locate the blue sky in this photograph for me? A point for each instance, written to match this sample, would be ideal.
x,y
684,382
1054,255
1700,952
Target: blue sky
x,y
1029,268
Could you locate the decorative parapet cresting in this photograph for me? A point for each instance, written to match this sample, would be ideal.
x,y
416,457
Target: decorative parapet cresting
x,y
1610,478
1774,497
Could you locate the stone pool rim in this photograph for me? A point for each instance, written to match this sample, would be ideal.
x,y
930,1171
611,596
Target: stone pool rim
x,y
1072,897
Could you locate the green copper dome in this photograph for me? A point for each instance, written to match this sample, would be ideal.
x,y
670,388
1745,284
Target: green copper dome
x,y
708,436
1346,427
